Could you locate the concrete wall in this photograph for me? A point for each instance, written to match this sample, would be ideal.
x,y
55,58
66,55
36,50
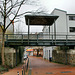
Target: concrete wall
x,y
10,57
62,57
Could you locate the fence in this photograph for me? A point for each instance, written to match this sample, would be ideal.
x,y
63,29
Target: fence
x,y
25,67
39,36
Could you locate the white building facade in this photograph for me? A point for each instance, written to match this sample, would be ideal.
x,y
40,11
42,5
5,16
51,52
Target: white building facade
x,y
65,25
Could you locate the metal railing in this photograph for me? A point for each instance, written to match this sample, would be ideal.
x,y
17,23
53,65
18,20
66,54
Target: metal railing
x,y
42,39
39,36
25,67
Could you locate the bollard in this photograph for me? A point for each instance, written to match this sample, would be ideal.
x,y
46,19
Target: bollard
x,y
27,64
27,67
28,60
17,73
22,71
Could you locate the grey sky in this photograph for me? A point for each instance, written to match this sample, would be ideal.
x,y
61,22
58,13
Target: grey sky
x,y
48,5
66,5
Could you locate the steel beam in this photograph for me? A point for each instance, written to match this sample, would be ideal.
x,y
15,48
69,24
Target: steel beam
x,y
55,31
28,31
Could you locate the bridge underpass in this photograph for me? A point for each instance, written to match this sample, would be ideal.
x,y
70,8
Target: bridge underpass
x,y
40,39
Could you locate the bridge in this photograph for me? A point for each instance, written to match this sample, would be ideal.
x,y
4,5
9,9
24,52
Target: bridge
x,y
39,39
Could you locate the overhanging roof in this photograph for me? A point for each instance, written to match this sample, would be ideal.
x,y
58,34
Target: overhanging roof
x,y
40,19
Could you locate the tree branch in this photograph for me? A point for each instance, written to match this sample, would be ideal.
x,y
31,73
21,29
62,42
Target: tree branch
x,y
2,13
14,6
15,14
8,15
23,13
1,9
10,8
7,1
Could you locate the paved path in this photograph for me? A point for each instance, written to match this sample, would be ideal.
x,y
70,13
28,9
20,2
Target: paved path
x,y
43,67
39,66
15,70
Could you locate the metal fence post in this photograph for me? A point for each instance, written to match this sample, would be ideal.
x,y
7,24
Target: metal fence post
x,y
22,71
37,38
27,65
52,39
28,60
22,38
66,39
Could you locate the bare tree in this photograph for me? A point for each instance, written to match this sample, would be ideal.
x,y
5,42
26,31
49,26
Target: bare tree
x,y
7,7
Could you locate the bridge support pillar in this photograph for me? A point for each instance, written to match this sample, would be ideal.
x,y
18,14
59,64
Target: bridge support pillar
x,y
16,56
54,31
66,55
28,31
49,31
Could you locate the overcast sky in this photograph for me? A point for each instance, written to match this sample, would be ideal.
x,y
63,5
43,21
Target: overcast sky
x,y
67,5
48,5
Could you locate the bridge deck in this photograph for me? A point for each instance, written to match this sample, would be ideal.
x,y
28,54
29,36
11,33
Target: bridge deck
x,y
40,42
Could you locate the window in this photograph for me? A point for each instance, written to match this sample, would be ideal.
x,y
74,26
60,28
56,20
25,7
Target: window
x,y
71,17
72,29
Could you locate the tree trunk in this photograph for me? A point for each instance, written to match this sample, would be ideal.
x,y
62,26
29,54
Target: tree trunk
x,y
2,50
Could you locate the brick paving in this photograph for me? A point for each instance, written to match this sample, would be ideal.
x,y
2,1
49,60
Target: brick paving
x,y
39,66
15,70
43,67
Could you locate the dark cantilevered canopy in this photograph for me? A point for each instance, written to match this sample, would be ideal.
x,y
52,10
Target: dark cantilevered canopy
x,y
40,19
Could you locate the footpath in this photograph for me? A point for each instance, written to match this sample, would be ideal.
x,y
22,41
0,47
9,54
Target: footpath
x,y
19,70
39,66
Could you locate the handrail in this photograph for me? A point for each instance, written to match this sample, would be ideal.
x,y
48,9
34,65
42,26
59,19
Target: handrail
x,y
38,36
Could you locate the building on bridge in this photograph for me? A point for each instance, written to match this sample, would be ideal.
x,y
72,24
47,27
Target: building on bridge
x,y
65,25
